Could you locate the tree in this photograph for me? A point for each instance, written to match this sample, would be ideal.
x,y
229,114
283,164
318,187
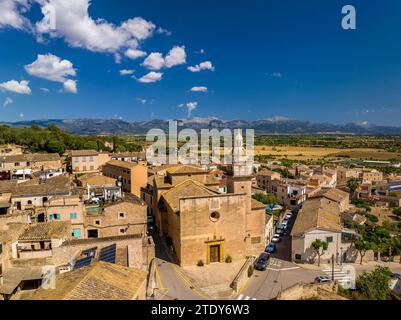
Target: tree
x,y
320,247
265,198
397,211
55,146
374,285
353,184
362,246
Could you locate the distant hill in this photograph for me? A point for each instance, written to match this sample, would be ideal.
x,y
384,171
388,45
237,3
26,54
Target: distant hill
x,y
277,125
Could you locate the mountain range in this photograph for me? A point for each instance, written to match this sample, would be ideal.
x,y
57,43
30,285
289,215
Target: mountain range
x,y
275,125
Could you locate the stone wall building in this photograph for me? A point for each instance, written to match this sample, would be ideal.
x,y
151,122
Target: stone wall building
x,y
34,161
133,175
204,224
123,217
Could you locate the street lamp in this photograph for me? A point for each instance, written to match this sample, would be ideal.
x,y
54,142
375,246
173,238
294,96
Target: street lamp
x,y
341,257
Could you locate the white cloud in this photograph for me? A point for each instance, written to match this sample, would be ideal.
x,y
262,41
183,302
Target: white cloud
x,y
70,86
190,107
45,90
10,14
175,57
151,77
74,24
117,58
125,72
161,30
7,101
21,87
154,61
275,75
21,115
199,89
134,53
139,28
52,68
141,101
207,65
201,51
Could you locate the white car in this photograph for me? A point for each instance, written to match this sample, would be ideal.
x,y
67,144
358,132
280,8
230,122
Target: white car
x,y
322,279
288,215
276,238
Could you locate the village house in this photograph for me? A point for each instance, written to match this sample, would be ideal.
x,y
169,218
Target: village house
x,y
124,217
371,176
10,150
99,187
38,240
6,190
320,219
128,156
67,208
30,162
32,194
265,177
289,193
88,160
341,198
132,175
98,281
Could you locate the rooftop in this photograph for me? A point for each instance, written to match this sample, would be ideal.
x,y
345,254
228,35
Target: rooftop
x,y
96,180
31,157
46,231
122,164
83,153
333,194
99,281
316,215
53,186
187,188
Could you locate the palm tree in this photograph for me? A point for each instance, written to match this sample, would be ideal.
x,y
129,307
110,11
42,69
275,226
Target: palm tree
x,y
353,185
320,247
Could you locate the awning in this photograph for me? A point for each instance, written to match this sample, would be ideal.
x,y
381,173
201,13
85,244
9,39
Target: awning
x,y
5,205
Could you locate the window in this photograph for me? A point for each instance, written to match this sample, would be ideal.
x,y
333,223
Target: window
x,y
329,239
214,216
16,164
73,215
97,222
76,233
121,215
1,248
55,216
122,231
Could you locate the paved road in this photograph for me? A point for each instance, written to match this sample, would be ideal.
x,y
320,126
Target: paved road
x,y
172,284
280,275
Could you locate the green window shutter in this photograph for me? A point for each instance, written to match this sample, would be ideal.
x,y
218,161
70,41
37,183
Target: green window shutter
x,y
76,233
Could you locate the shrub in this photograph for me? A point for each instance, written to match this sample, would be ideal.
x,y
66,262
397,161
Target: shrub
x,y
200,263
373,218
250,271
229,259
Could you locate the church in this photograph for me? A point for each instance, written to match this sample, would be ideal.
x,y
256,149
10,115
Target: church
x,y
204,223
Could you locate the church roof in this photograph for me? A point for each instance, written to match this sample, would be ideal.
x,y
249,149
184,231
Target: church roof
x,y
185,189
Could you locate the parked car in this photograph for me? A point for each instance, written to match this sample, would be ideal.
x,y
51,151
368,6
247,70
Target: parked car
x,y
322,279
261,262
271,248
289,215
276,238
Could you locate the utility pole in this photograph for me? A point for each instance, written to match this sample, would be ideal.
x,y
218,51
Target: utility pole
x,y
332,267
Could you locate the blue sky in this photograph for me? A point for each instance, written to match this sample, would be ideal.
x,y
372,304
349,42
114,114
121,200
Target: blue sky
x,y
264,59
